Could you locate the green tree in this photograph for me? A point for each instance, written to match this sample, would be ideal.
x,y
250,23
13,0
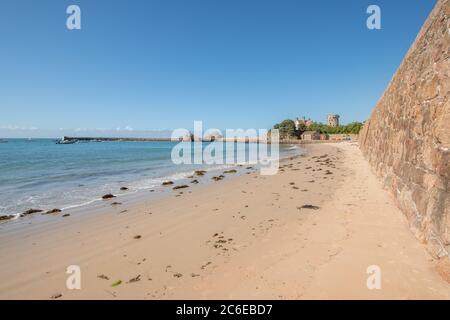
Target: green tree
x,y
287,129
353,127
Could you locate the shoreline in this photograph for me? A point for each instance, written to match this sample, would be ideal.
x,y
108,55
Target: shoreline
x,y
301,234
135,193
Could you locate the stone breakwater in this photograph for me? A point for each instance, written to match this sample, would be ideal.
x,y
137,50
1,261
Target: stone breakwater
x,y
407,138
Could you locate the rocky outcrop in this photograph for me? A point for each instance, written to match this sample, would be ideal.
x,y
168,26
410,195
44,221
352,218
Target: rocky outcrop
x,y
407,138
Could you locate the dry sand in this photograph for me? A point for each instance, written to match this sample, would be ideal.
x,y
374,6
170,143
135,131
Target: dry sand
x,y
240,238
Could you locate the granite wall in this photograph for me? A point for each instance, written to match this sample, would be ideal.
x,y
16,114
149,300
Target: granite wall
x,y
407,138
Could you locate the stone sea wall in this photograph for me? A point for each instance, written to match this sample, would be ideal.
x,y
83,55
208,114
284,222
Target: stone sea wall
x,y
407,138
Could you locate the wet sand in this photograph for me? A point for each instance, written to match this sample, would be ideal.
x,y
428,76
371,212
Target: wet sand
x,y
309,232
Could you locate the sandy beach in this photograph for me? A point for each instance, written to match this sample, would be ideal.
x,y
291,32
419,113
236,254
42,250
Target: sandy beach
x,y
309,232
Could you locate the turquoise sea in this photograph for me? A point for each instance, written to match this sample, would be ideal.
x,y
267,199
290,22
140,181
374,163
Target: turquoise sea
x,y
41,174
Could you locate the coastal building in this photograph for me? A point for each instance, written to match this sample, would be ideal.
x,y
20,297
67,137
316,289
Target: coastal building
x,y
310,135
333,120
302,121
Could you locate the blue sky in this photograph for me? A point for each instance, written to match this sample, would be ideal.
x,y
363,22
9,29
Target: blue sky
x,y
161,64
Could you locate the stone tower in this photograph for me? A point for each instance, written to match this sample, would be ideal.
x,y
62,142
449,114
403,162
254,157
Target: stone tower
x,y
333,120
407,138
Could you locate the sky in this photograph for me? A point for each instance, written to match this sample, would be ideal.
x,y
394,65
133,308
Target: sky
x,y
139,66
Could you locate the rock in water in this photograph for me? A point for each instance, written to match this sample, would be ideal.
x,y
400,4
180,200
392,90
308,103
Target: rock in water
x,y
108,196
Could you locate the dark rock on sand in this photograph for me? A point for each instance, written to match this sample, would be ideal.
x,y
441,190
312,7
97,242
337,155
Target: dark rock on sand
x,y
30,211
200,172
135,279
194,181
108,196
123,189
53,211
167,183
230,171
5,218
180,187
116,203
308,206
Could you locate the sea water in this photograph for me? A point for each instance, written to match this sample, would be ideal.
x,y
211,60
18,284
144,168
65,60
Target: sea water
x,y
41,174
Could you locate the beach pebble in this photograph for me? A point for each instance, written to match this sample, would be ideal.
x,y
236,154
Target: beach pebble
x,y
135,279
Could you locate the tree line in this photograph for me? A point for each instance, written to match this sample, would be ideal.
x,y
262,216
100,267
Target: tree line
x,y
288,131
